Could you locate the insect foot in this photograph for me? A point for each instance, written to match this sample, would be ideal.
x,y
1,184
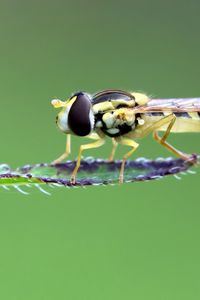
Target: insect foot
x,y
121,179
73,180
191,159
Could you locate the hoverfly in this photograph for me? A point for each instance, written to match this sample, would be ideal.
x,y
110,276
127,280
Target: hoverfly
x,y
124,117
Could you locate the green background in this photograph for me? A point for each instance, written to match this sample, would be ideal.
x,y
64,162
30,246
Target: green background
x,y
135,241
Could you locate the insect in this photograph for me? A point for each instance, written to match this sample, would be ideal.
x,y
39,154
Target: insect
x,y
124,117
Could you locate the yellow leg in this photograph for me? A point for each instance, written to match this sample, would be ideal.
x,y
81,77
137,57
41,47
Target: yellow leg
x,y
170,147
170,119
162,141
124,141
96,144
134,146
67,151
114,143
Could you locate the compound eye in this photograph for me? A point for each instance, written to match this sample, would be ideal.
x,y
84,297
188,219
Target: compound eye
x,y
79,115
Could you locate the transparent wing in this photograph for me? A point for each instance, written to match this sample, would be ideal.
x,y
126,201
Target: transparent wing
x,y
173,105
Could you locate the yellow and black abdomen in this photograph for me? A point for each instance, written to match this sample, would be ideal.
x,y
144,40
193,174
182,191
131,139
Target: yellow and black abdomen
x,y
185,121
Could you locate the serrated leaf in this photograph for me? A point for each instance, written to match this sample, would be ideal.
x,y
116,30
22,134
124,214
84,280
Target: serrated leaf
x,y
91,172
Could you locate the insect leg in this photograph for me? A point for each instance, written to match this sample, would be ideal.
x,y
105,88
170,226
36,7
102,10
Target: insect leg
x,y
162,141
96,144
114,146
158,124
134,146
67,150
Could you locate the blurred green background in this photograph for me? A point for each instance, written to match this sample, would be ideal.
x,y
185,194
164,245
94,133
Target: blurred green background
x,y
135,241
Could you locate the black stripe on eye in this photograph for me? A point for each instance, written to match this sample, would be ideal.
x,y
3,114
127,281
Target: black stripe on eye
x,y
78,118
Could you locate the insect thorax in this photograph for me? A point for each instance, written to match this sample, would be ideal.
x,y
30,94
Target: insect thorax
x,y
113,112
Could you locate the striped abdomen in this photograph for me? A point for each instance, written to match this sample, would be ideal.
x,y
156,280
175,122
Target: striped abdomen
x,y
185,121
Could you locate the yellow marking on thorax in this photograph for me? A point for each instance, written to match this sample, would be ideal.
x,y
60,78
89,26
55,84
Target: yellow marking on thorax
x,y
125,114
101,107
111,105
140,99
118,117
